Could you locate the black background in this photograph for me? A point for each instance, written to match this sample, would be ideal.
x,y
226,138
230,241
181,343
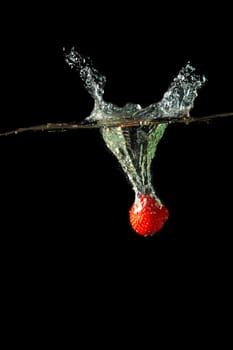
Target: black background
x,y
64,198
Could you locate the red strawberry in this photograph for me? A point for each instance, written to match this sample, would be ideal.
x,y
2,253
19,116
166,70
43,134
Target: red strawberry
x,y
147,216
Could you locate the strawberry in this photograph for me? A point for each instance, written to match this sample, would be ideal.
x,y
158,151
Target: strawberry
x,y
147,216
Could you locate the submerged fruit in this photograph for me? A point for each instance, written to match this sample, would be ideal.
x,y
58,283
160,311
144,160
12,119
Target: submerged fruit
x,y
147,216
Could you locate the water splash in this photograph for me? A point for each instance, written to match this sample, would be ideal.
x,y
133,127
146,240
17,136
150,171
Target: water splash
x,y
135,146
177,101
94,82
